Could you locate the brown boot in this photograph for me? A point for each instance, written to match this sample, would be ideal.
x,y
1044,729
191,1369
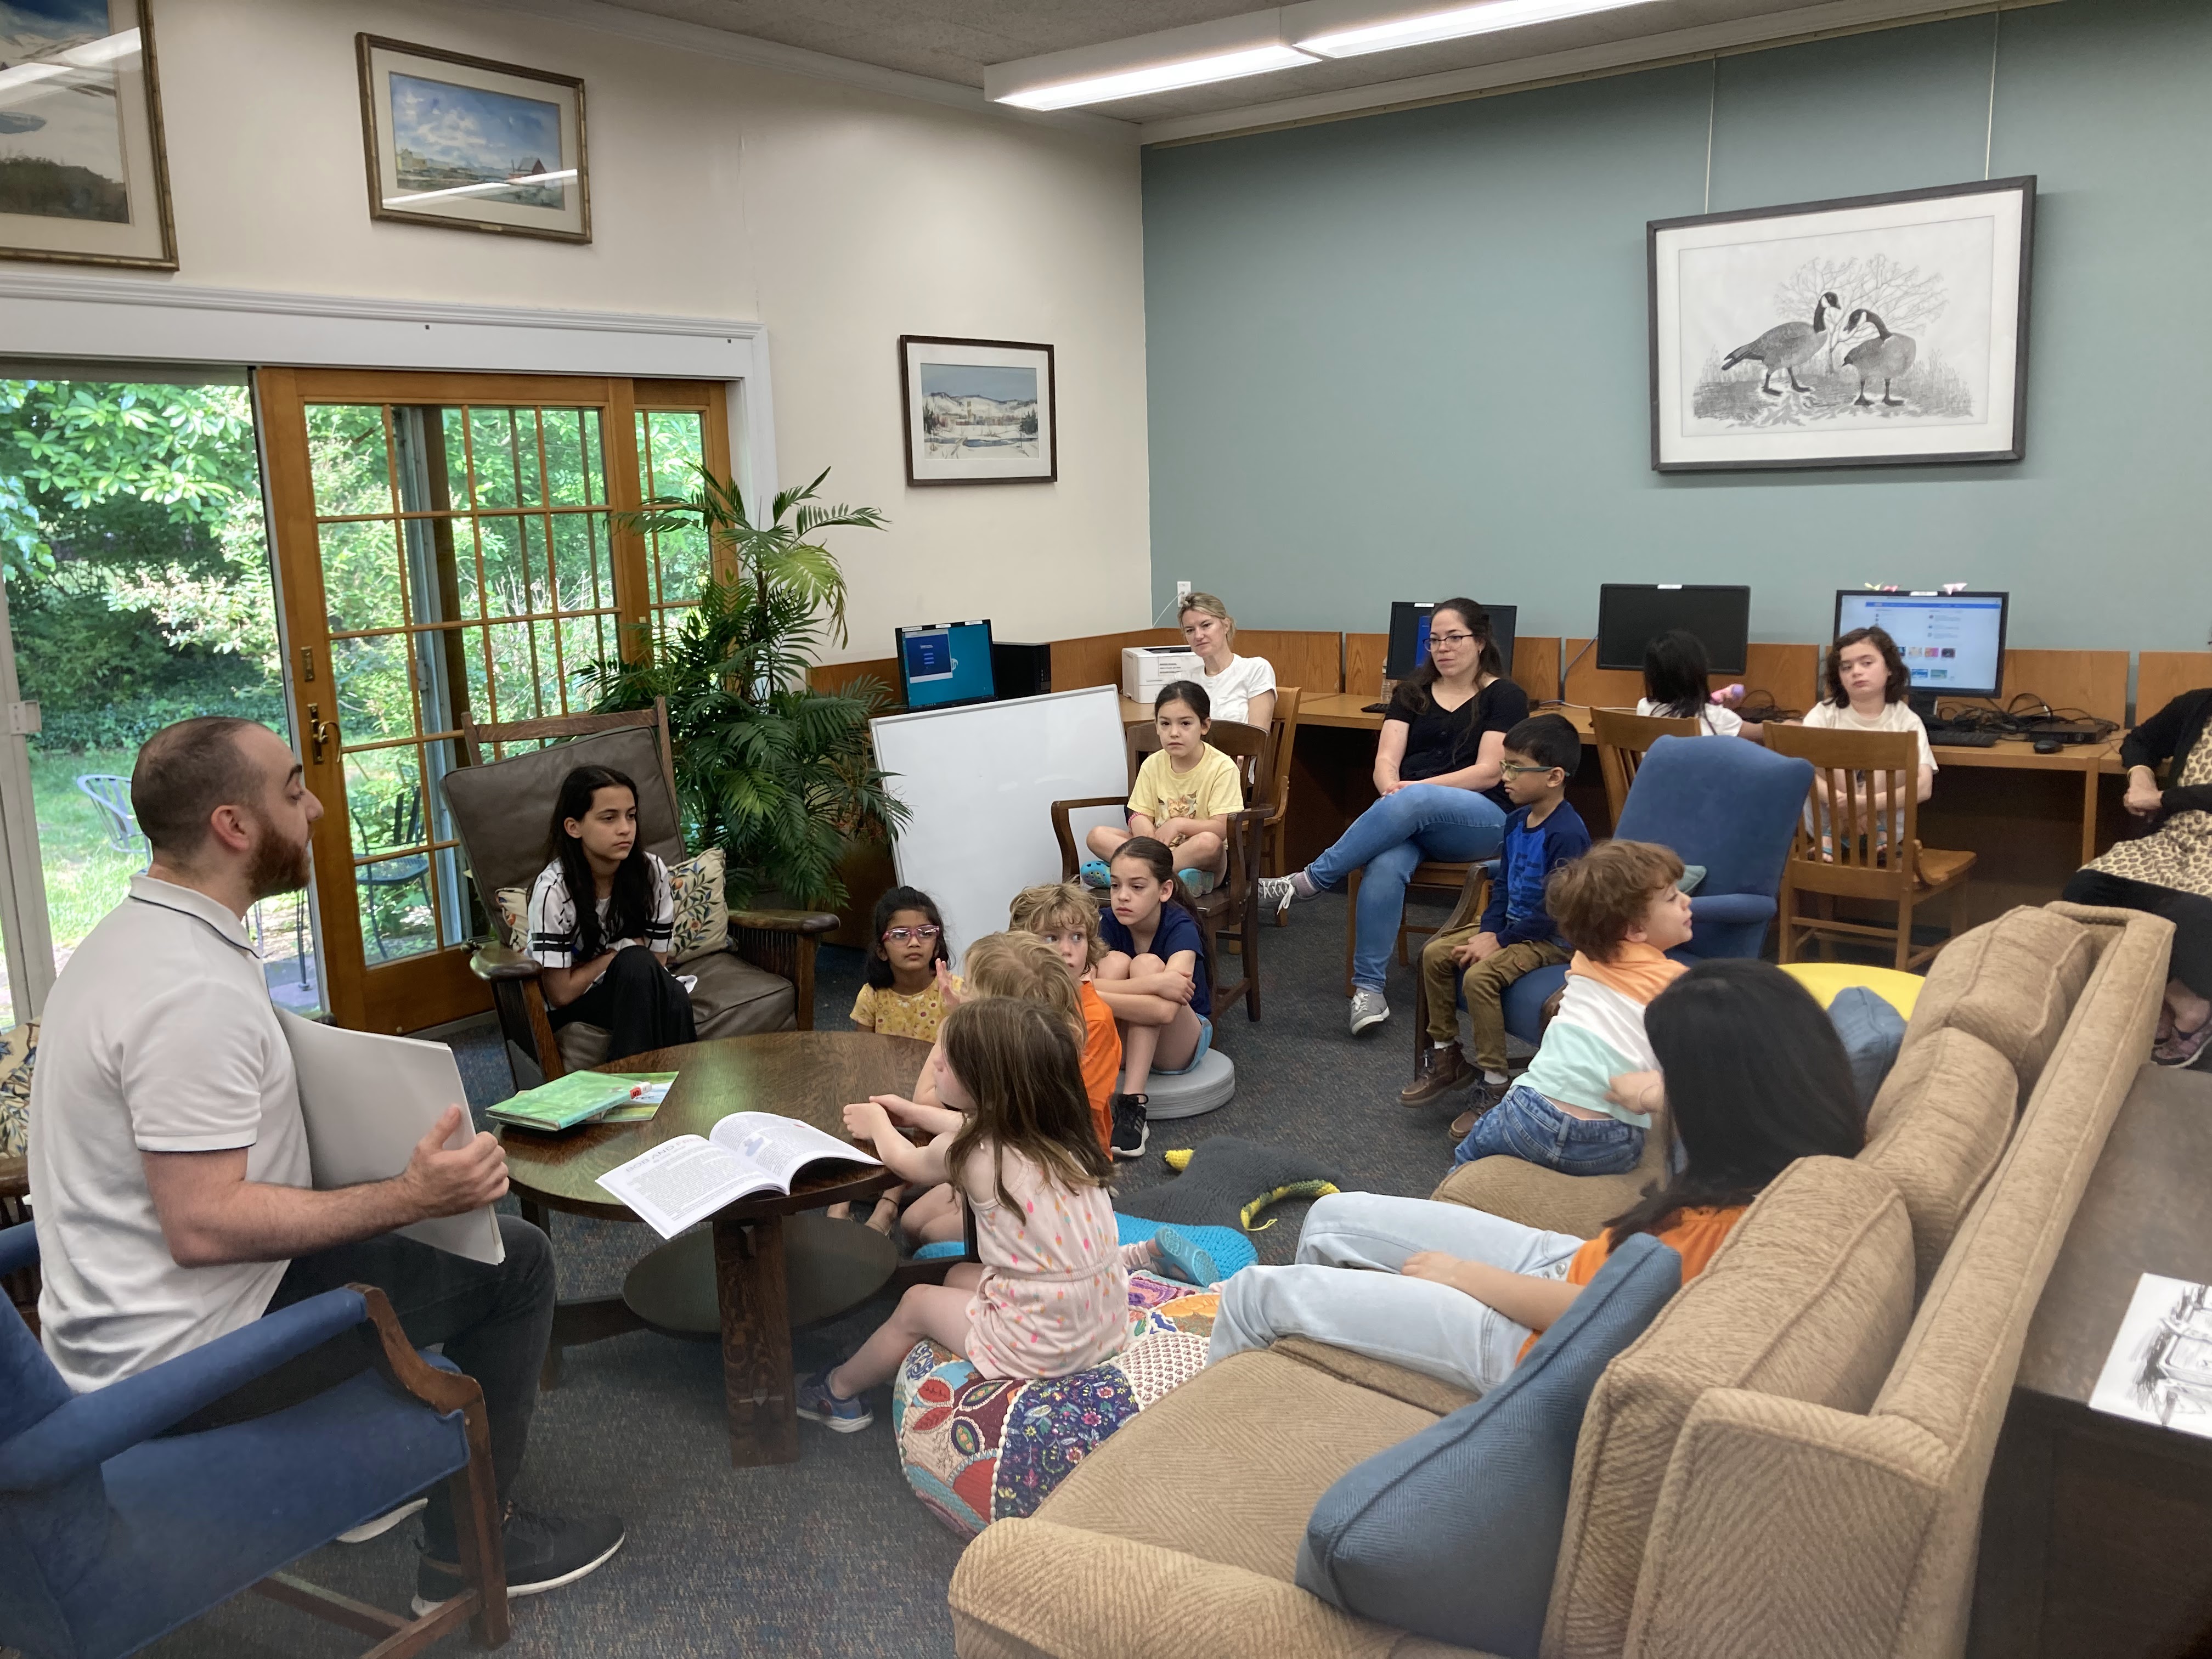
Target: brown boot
x,y
1448,1071
1486,1094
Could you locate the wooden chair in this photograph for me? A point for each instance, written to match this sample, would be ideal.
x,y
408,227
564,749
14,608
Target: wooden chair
x,y
1474,900
1284,727
1846,847
1431,875
1622,739
499,809
1234,905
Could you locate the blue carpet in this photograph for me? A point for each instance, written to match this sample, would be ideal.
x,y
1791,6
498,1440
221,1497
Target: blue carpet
x,y
831,1556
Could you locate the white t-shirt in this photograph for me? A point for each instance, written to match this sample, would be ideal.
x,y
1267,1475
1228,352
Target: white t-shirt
x,y
1719,722
1894,717
1232,689
553,943
159,1037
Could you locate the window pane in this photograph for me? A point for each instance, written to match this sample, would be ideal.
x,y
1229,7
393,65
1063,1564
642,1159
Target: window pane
x,y
508,588
346,452
579,561
376,700
362,585
394,895
384,796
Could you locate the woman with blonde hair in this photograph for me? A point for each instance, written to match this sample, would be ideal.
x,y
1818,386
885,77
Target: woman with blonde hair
x,y
1240,688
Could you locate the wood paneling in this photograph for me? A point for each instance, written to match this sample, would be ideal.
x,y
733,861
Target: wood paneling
x,y
1786,672
1095,659
1312,661
1364,655
1598,688
830,676
2094,682
1536,666
2162,676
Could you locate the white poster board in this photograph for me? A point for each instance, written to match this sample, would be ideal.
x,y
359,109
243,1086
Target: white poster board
x,y
980,781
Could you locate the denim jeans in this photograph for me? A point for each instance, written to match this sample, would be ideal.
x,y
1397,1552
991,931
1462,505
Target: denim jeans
x,y
1425,1326
1387,840
1526,1125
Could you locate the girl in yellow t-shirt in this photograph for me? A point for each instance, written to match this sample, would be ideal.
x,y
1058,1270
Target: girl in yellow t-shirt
x,y
1183,795
904,995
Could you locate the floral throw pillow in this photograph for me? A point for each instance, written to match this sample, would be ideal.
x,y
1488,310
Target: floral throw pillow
x,y
19,1052
703,913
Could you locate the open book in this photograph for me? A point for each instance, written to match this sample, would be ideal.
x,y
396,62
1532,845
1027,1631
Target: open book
x,y
686,1179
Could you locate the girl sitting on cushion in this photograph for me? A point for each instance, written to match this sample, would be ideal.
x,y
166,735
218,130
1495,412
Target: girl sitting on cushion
x,y
1753,1077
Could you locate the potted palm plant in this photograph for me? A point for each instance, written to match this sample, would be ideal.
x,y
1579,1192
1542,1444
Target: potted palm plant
x,y
779,776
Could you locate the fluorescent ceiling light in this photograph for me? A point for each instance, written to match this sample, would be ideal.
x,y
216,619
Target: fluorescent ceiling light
x,y
1160,77
1349,40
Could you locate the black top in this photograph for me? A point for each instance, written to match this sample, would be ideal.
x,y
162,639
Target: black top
x,y
2169,735
1439,740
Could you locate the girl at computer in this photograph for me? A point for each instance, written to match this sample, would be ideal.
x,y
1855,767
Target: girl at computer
x,y
1438,771
1864,691
1676,682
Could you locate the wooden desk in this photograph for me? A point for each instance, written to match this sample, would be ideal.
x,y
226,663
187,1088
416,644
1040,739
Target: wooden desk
x,y
2097,1530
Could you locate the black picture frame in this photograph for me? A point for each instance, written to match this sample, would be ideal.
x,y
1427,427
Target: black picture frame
x,y
1989,440
926,472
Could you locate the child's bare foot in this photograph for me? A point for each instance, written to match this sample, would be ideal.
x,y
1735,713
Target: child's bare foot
x,y
886,1213
839,1213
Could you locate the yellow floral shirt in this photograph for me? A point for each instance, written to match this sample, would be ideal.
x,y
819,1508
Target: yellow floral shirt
x,y
885,1010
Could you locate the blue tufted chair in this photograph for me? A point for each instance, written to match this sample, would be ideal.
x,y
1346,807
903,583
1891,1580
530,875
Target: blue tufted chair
x,y
114,1534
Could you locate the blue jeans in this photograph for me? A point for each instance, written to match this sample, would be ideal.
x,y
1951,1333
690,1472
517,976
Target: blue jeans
x,y
1421,821
1526,1125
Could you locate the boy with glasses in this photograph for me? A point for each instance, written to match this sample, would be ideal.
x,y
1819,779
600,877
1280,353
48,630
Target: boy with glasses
x,y
1515,935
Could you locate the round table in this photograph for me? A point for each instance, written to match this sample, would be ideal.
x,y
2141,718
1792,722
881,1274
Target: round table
x,y
808,1075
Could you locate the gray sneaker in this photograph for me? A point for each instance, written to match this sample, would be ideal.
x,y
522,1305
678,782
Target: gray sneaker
x,y
1276,893
1368,1009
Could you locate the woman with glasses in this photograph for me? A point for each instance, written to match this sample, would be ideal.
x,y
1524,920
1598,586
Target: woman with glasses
x,y
1438,770
2168,872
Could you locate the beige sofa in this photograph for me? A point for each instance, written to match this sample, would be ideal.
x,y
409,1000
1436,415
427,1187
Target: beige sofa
x,y
1788,1462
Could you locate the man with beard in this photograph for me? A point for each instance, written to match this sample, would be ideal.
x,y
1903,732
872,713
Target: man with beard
x,y
169,1173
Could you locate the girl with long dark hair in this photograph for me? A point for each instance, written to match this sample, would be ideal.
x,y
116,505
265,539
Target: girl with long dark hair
x,y
1439,772
1677,684
602,915
1751,1077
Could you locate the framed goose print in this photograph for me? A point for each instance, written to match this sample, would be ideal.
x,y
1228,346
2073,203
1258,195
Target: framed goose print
x,y
83,176
978,412
1880,330
471,144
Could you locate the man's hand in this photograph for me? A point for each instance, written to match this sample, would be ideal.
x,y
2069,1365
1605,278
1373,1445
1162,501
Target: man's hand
x,y
1468,951
2144,798
442,1182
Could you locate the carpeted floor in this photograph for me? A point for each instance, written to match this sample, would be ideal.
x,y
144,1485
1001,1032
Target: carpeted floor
x,y
831,1556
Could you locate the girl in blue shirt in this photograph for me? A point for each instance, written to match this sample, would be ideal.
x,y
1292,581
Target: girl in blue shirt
x,y
1153,978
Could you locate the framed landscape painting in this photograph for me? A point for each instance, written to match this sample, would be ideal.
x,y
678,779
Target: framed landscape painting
x,y
978,412
83,177
472,144
1879,330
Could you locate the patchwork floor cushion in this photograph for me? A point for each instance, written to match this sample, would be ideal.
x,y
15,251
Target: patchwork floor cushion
x,y
976,1449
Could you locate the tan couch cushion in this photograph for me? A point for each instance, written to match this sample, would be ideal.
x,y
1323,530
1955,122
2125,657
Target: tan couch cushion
x,y
1936,1130
1229,1467
1537,1197
1429,1394
1809,1300
733,998
2011,982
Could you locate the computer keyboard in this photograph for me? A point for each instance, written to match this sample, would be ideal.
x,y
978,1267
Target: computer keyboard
x,y
1961,737
1374,707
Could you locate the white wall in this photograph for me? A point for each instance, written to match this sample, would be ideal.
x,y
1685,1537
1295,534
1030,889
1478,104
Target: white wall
x,y
840,217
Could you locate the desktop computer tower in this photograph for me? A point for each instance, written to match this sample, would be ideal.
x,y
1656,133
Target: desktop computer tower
x,y
1020,670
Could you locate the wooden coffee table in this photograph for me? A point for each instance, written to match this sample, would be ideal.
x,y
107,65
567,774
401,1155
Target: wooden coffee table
x,y
808,1075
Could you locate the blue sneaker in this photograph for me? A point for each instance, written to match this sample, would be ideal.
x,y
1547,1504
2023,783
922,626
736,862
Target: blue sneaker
x,y
1197,883
833,1411
1094,873
1183,1260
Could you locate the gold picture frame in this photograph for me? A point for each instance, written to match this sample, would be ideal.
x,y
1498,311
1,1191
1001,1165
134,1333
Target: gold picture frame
x,y
463,142
84,174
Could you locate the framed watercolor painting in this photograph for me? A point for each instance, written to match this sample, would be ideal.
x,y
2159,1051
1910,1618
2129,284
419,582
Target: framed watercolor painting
x,y
1879,330
978,412
472,144
83,177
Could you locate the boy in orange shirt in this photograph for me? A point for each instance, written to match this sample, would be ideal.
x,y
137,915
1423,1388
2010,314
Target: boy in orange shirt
x,y
1065,917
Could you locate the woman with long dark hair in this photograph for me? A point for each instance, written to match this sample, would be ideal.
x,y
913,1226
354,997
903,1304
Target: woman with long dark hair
x,y
1753,1077
604,958
1438,770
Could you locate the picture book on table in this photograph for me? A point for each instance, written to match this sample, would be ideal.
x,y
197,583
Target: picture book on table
x,y
2159,1368
687,1178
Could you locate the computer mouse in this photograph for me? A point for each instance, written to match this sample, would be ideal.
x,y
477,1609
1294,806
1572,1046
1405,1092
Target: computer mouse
x,y
2048,745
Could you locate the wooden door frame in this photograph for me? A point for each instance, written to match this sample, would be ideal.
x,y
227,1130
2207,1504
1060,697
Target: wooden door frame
x,y
435,987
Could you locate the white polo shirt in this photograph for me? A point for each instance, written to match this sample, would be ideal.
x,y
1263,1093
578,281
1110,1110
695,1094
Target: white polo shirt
x,y
159,1037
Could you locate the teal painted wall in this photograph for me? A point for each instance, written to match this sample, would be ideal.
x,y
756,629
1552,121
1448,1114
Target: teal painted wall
x,y
1405,357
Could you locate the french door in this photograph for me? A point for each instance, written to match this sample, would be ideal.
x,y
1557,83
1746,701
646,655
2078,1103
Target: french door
x,y
453,547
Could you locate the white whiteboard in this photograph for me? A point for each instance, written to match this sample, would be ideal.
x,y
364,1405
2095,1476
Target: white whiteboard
x,y
980,781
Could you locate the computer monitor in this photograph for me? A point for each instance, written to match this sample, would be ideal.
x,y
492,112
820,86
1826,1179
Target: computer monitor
x,y
1409,635
1630,615
941,663
1952,643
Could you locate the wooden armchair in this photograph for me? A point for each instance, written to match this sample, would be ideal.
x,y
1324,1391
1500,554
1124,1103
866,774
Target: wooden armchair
x,y
1622,740
1848,847
1284,729
764,981
1234,905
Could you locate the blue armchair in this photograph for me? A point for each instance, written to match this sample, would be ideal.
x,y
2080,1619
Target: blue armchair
x,y
1730,805
115,1535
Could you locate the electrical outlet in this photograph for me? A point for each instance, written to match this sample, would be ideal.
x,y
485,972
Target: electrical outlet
x,y
1182,590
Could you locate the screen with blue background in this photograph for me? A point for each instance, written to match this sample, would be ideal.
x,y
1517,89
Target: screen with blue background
x,y
945,664
1951,642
